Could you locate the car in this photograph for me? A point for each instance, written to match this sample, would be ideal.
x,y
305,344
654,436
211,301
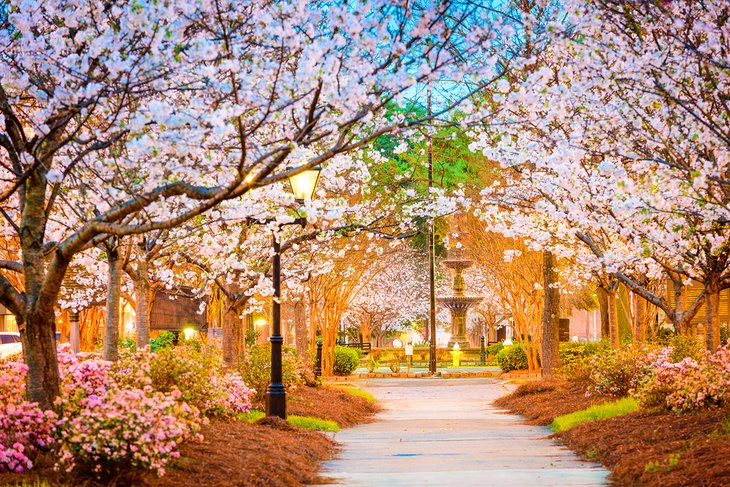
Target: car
x,y
10,343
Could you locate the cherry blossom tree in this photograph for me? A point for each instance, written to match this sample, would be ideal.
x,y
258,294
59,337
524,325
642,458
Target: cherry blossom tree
x,y
144,115
619,145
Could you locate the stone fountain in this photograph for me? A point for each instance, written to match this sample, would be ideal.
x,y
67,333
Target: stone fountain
x,y
458,303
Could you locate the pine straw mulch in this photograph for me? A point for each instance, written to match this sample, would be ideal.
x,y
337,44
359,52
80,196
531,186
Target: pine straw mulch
x,y
270,452
642,448
541,402
333,403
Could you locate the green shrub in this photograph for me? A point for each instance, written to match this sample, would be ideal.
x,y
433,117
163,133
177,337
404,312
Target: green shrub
x,y
127,344
494,349
251,337
661,336
394,366
512,358
373,363
575,358
165,340
346,361
686,346
194,372
256,368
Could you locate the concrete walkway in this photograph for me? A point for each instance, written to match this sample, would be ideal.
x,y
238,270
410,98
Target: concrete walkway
x,y
444,432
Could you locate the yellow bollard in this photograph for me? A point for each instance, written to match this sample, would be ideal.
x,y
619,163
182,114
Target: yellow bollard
x,y
456,357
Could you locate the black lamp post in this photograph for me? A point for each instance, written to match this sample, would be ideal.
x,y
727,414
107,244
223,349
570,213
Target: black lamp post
x,y
303,186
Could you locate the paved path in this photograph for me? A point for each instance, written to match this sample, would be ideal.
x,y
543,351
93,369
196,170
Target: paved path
x,y
444,432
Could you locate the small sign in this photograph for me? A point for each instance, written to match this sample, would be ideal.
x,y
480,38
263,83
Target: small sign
x,y
409,349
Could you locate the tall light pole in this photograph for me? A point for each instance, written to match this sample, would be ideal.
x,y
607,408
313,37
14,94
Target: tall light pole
x,y
431,255
303,186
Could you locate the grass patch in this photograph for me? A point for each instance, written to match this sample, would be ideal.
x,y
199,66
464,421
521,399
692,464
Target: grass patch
x,y
363,394
312,423
252,416
306,422
599,411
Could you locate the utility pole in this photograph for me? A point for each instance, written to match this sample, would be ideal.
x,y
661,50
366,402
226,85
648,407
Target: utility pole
x,y
431,253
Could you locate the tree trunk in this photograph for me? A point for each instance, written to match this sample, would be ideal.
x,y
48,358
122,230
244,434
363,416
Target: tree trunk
x,y
365,330
114,289
228,334
603,308
641,310
712,316
34,313
680,305
234,341
302,332
550,356
39,346
612,308
142,297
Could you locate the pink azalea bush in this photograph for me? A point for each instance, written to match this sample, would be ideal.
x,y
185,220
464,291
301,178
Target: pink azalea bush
x,y
197,372
689,384
109,427
123,429
24,427
615,372
126,416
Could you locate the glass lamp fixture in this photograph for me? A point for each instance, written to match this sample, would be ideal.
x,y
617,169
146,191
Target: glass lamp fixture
x,y
304,183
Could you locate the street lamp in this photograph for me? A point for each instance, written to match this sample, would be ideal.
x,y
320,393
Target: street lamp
x,y
303,186
304,183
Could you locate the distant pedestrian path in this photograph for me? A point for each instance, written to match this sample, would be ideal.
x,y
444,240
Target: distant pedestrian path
x,y
443,432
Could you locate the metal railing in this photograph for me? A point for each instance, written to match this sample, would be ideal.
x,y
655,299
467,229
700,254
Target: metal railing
x,y
364,346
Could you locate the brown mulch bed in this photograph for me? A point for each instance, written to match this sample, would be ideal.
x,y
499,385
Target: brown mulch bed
x,y
270,452
238,453
541,402
642,448
662,449
333,403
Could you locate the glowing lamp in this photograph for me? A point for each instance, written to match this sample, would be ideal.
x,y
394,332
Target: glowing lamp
x,y
304,183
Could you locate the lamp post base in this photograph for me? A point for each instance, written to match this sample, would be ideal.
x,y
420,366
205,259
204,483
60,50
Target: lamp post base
x,y
276,400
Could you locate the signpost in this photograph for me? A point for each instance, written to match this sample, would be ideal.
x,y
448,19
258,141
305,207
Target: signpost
x,y
409,356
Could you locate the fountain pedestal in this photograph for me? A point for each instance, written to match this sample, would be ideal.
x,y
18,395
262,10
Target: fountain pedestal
x,y
458,303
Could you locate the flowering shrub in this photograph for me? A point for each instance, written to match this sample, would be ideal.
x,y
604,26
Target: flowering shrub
x,y
123,429
198,375
256,368
113,421
24,427
575,358
687,385
615,372
118,418
235,397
